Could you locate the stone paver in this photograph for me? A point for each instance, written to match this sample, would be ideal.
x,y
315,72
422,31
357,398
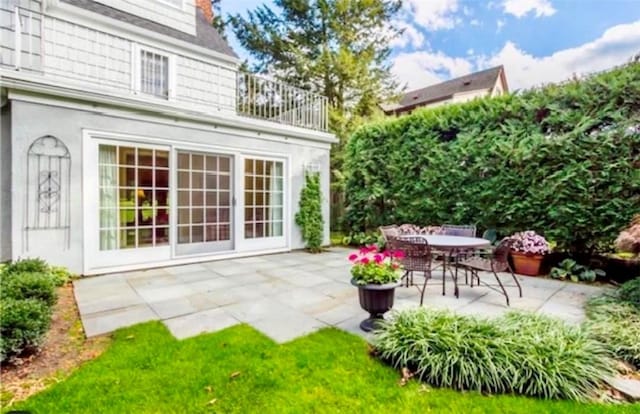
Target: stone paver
x,y
200,322
287,295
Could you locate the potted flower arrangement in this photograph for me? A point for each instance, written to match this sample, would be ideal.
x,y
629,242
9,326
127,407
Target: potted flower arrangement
x,y
527,251
376,274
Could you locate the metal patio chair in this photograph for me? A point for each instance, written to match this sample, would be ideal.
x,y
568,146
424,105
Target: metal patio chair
x,y
389,232
417,258
494,262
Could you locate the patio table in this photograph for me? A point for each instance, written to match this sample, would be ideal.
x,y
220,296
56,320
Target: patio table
x,y
450,245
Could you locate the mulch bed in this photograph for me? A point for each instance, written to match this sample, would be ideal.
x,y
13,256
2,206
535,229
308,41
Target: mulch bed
x,y
64,350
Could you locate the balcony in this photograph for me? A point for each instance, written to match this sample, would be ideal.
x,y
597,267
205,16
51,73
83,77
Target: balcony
x,y
66,53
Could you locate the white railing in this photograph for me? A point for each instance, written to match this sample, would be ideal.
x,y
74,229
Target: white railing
x,y
65,50
264,98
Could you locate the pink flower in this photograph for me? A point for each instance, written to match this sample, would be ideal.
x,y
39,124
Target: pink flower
x,y
398,254
378,258
353,257
364,260
395,265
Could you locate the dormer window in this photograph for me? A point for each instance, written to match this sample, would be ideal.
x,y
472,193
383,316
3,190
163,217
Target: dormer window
x,y
155,73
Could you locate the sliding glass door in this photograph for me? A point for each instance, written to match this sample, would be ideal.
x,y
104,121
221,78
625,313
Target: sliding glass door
x,y
205,202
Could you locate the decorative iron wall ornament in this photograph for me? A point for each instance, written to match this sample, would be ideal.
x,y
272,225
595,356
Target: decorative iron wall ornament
x,y
48,188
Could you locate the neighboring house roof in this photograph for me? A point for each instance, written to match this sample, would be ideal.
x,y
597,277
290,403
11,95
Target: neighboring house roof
x,y
482,80
206,35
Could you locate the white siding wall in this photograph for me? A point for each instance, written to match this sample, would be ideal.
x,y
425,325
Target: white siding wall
x,y
160,11
78,53
74,52
206,85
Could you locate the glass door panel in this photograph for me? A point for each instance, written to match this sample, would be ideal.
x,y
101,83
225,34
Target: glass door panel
x,y
133,197
205,202
263,199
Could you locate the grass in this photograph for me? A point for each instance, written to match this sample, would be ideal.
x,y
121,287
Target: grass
x,y
239,370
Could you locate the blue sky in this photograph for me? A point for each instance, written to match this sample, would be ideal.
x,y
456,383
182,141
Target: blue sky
x,y
538,41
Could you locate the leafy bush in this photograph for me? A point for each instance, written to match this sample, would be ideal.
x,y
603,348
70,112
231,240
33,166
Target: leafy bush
x,y
309,217
38,286
563,159
30,265
570,269
518,353
614,319
363,239
23,326
60,275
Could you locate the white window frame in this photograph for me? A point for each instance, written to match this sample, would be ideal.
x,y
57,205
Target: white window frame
x,y
136,63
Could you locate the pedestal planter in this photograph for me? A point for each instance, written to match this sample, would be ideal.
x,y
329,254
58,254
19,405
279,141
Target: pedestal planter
x,y
526,264
375,299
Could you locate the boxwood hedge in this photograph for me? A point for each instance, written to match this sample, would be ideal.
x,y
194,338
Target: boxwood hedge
x,y
563,160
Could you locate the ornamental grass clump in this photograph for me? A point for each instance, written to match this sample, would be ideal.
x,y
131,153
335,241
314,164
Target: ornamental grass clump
x,y
373,266
614,319
518,353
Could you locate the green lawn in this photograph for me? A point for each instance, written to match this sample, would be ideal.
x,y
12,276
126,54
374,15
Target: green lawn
x,y
239,370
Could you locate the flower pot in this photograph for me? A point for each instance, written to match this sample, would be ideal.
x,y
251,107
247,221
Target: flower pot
x,y
375,299
622,270
526,264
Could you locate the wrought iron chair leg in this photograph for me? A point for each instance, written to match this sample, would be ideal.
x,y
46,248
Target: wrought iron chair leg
x,y
515,279
424,288
504,291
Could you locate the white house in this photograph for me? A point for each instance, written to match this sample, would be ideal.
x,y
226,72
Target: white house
x,y
489,82
130,139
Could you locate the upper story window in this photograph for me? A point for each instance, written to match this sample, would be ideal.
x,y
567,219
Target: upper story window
x,y
155,73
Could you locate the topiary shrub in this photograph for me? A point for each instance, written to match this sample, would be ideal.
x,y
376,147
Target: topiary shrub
x,y
23,326
309,217
38,286
518,353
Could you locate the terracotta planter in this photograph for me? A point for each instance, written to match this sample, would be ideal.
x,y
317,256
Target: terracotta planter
x,y
375,299
526,264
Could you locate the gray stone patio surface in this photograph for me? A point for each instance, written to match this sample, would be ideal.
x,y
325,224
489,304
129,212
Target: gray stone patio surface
x,y
288,295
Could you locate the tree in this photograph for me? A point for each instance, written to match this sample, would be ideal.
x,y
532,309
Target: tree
x,y
337,48
309,217
218,21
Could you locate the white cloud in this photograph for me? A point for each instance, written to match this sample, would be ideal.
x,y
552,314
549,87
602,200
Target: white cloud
x,y
470,52
433,14
521,8
419,69
474,22
500,24
410,36
616,46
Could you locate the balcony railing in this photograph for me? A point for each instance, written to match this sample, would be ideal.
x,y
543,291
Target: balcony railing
x,y
264,98
64,50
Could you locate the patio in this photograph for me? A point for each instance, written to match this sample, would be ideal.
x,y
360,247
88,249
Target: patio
x,y
286,296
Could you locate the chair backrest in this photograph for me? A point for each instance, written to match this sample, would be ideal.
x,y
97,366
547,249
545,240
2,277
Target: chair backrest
x,y
491,235
459,230
501,252
389,232
417,253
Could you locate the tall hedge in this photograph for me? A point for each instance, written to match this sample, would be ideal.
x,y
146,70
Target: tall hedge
x,y
563,160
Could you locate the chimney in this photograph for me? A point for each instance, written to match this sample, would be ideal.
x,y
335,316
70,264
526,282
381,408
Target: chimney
x,y
205,6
